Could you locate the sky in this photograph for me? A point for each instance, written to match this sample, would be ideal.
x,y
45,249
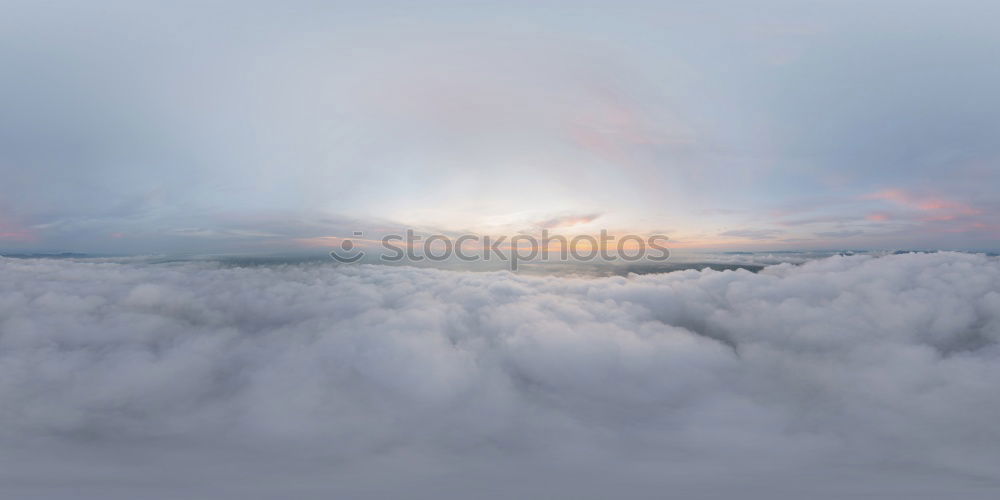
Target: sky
x,y
140,127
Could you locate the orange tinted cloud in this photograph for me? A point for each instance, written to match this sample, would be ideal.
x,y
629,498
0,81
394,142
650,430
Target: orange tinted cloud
x,y
567,221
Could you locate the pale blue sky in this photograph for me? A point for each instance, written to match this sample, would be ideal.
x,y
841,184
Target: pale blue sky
x,y
137,127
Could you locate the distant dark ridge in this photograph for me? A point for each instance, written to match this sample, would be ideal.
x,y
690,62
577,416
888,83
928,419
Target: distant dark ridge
x,y
597,270
684,266
63,255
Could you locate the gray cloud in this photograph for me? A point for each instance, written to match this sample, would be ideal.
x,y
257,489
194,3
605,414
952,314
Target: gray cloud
x,y
753,234
847,233
839,377
567,220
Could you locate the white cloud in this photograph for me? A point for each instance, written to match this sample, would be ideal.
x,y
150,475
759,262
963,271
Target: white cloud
x,y
841,376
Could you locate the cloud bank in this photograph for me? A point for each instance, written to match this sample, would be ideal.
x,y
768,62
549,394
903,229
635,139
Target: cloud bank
x,y
842,376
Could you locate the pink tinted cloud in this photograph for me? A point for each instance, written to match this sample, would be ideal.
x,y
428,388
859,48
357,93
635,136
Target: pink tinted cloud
x,y
611,127
929,208
11,231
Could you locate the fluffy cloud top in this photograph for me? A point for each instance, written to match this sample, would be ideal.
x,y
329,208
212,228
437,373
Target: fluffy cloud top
x,y
843,376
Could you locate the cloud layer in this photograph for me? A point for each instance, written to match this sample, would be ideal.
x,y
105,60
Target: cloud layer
x,y
842,376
